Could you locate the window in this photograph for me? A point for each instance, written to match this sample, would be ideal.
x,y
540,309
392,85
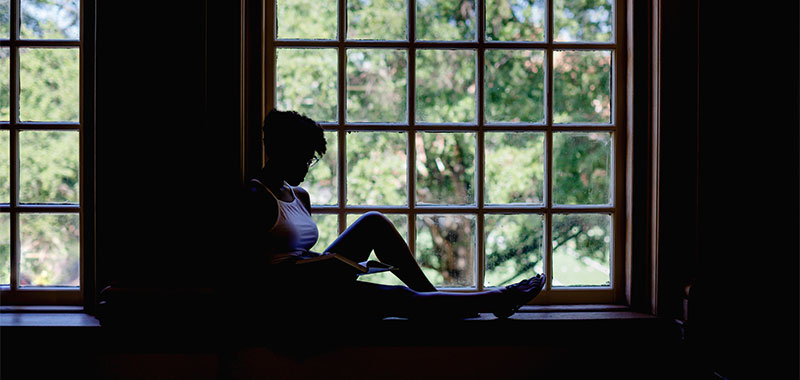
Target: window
x,y
41,122
487,131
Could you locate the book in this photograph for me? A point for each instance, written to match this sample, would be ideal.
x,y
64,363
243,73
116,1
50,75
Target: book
x,y
364,267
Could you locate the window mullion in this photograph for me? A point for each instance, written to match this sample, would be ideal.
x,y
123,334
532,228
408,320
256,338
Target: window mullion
x,y
341,89
411,170
14,144
548,172
479,151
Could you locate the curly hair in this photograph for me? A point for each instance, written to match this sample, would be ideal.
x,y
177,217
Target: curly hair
x,y
288,132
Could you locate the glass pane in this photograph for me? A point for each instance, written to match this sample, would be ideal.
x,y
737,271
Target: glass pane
x,y
400,222
583,20
376,168
5,84
48,166
582,168
445,168
322,179
306,19
5,249
515,85
445,86
52,19
446,20
445,249
50,250
513,248
49,85
376,85
5,25
582,86
515,20
514,167
581,250
328,227
377,19
306,82
5,168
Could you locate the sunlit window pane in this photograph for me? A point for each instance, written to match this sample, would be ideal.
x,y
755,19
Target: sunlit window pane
x,y
376,85
445,85
5,84
446,248
376,168
49,166
515,20
306,19
377,19
582,86
50,250
513,248
583,20
445,164
322,179
5,25
581,250
49,84
582,168
5,168
306,82
52,20
446,20
514,167
328,227
514,86
5,249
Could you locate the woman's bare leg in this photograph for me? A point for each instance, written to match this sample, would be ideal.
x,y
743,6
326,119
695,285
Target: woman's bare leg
x,y
373,231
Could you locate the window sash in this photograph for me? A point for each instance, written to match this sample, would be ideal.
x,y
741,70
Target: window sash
x,y
571,294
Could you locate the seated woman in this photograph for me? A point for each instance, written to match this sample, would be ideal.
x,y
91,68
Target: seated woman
x,y
282,229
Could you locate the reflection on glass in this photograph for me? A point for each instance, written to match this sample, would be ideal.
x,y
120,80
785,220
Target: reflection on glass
x,y
581,250
49,85
376,85
443,20
583,20
376,20
306,19
445,85
445,164
514,167
5,25
5,168
582,168
376,168
306,82
5,249
514,86
5,84
52,19
50,250
322,179
49,166
582,86
515,20
328,227
513,248
446,249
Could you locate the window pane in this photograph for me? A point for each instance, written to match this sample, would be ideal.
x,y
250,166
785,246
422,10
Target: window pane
x,y
515,20
582,168
5,168
583,20
328,227
514,85
581,250
513,248
445,164
5,25
49,166
582,86
445,86
5,84
514,167
322,180
5,249
53,19
49,85
446,20
306,19
376,168
306,82
445,249
376,85
377,19
50,250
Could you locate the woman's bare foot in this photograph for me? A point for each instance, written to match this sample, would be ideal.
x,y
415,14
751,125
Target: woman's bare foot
x,y
520,294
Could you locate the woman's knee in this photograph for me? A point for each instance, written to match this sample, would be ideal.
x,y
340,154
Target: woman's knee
x,y
376,219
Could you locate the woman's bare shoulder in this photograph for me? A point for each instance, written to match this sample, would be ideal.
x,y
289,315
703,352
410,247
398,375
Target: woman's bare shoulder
x,y
303,196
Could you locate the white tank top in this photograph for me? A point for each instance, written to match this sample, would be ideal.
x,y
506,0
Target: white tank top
x,y
294,232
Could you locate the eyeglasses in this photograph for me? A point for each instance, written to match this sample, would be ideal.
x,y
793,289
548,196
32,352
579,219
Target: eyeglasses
x,y
312,161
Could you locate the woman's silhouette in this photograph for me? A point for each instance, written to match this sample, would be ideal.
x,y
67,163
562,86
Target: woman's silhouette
x,y
282,231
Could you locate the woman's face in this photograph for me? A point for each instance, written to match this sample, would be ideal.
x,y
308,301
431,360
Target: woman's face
x,y
293,167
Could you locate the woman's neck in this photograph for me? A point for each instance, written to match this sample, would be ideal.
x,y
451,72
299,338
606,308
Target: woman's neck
x,y
269,178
